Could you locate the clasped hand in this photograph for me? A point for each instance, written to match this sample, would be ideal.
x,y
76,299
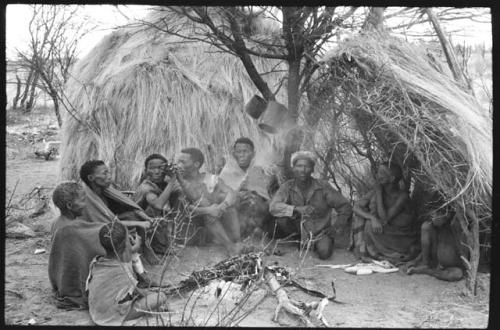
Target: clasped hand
x,y
377,225
305,211
135,241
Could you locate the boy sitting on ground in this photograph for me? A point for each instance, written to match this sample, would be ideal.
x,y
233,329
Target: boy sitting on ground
x,y
112,284
157,194
440,256
75,242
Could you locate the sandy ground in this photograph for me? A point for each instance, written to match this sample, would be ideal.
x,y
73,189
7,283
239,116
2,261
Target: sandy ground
x,y
377,300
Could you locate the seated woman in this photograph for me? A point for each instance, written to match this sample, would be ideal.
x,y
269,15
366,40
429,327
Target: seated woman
x,y
75,242
112,284
440,256
156,196
384,223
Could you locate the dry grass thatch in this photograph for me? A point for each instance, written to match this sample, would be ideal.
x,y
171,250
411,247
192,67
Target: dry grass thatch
x,y
142,91
424,117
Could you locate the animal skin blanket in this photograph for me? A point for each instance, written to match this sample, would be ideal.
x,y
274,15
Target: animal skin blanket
x,y
73,248
121,207
97,211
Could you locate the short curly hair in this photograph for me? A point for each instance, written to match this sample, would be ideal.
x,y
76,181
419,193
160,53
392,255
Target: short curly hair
x,y
196,155
88,168
66,192
244,140
154,156
112,237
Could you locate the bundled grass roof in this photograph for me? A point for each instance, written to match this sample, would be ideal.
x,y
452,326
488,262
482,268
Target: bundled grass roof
x,y
142,91
419,112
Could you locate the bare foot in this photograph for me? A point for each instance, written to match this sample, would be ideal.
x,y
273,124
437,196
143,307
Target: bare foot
x,y
421,269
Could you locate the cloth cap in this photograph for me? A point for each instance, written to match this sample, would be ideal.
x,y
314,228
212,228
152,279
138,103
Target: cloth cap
x,y
302,155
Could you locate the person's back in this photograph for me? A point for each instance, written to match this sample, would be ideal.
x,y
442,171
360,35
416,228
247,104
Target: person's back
x,y
73,248
74,243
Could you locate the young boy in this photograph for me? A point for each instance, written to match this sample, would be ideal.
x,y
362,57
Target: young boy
x,y
112,284
157,194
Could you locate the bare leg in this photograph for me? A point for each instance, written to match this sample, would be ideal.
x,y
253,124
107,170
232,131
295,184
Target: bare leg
x,y
358,226
215,228
429,243
231,224
448,274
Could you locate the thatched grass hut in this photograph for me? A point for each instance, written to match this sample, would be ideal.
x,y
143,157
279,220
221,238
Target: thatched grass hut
x,y
392,99
143,91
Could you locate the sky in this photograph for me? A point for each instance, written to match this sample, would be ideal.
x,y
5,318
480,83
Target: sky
x,y
105,17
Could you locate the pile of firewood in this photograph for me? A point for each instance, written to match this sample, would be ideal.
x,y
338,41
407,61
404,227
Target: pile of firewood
x,y
249,267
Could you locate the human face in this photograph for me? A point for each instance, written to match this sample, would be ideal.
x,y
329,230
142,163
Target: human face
x,y
243,154
101,176
186,165
303,169
384,175
155,170
76,206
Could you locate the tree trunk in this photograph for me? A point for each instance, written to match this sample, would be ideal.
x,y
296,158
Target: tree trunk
x,y
57,110
26,89
293,88
374,20
473,243
448,49
32,94
18,92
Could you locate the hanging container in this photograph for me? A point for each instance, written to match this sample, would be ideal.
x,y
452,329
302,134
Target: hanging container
x,y
256,106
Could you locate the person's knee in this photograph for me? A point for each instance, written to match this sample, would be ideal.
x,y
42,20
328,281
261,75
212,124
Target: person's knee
x,y
324,248
426,231
454,274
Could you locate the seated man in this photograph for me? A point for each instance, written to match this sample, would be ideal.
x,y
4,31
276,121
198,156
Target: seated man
x,y
156,196
210,200
104,203
390,232
112,284
440,256
75,242
251,183
303,206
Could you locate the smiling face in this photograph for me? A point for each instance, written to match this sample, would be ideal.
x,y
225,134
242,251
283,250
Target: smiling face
x,y
101,176
243,153
155,170
303,169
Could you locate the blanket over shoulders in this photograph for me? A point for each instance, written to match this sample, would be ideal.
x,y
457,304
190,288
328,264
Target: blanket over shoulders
x,y
73,248
97,211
